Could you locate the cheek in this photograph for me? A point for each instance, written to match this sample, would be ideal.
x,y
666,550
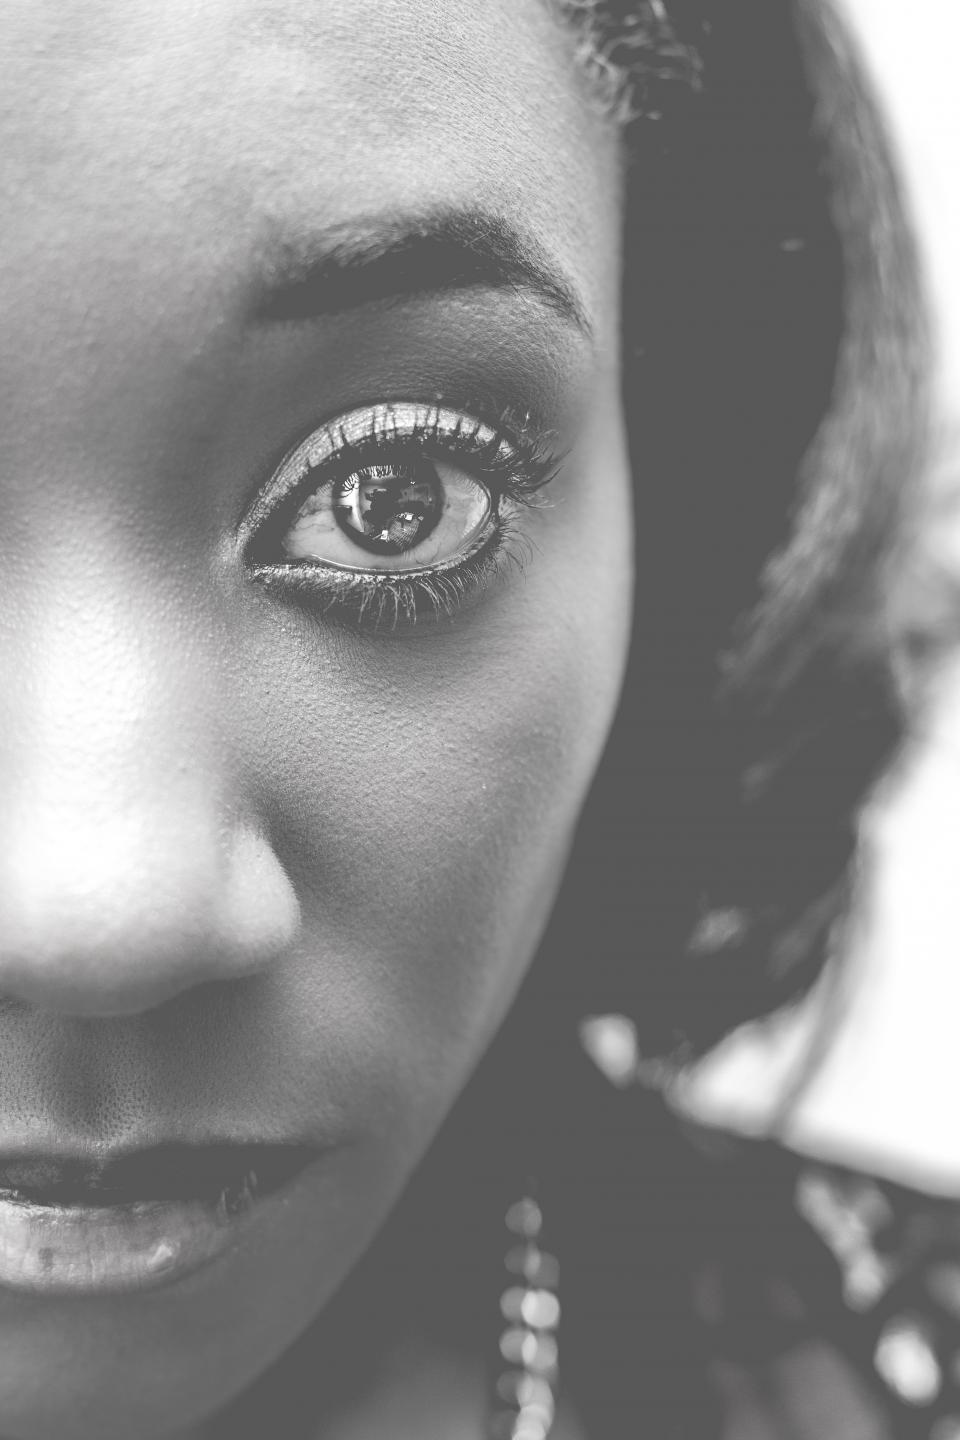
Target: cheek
x,y
433,787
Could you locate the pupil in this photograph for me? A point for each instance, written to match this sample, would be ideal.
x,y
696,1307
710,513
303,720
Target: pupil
x,y
388,509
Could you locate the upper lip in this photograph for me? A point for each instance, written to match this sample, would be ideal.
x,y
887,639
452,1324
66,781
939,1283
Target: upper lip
x,y
169,1171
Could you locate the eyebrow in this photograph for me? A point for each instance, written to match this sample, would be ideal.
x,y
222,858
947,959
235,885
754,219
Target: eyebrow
x,y
395,257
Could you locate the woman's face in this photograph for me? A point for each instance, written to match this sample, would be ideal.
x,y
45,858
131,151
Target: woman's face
x,y
288,774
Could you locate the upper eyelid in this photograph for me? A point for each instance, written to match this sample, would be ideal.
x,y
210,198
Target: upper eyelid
x,y
385,422
395,423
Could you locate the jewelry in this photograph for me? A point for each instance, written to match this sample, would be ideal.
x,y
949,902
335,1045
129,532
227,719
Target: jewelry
x,y
526,1388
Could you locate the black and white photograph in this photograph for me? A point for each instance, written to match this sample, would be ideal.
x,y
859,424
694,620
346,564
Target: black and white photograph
x,y
479,720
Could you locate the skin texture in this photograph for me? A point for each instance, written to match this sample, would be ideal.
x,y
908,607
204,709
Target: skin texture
x,y
264,875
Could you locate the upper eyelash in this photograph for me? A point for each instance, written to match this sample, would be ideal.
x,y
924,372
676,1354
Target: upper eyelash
x,y
521,464
513,462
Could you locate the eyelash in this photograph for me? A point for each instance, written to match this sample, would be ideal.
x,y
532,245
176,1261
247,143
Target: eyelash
x,y
513,464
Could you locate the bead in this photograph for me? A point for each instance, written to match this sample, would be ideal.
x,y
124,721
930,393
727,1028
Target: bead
x,y
540,1309
513,1345
508,1386
530,1428
526,1391
518,1259
905,1360
537,1267
534,1351
545,1271
524,1218
538,1412
865,1280
545,1357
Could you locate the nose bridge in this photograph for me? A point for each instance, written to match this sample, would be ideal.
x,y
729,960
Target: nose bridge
x,y
105,702
128,871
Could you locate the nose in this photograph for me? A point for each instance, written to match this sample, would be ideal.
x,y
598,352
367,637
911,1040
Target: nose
x,y
130,870
118,917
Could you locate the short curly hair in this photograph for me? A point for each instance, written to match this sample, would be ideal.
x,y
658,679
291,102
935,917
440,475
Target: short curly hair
x,y
633,54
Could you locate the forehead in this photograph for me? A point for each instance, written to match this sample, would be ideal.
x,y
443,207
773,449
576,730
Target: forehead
x,y
131,131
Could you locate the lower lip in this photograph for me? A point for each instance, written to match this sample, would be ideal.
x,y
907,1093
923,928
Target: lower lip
x,y
109,1249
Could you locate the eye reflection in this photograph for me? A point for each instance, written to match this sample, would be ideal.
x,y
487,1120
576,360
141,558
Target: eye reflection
x,y
421,511
387,509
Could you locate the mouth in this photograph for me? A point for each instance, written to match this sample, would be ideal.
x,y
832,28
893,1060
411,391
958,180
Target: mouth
x,y
89,1225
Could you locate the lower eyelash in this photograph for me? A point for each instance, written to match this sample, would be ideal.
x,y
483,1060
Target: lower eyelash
x,y
386,600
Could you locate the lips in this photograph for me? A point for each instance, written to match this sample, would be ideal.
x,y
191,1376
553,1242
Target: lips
x,y
163,1172
85,1225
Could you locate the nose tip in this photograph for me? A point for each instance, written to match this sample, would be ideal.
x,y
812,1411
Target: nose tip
x,y
118,918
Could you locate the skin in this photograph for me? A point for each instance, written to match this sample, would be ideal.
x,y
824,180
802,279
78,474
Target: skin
x,y
266,876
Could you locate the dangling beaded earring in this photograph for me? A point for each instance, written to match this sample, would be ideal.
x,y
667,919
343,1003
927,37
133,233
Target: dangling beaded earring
x,y
526,1388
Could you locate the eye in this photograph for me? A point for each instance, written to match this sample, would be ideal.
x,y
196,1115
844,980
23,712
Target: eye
x,y
399,515
393,509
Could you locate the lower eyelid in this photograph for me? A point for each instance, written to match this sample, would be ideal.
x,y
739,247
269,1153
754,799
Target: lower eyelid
x,y
389,602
